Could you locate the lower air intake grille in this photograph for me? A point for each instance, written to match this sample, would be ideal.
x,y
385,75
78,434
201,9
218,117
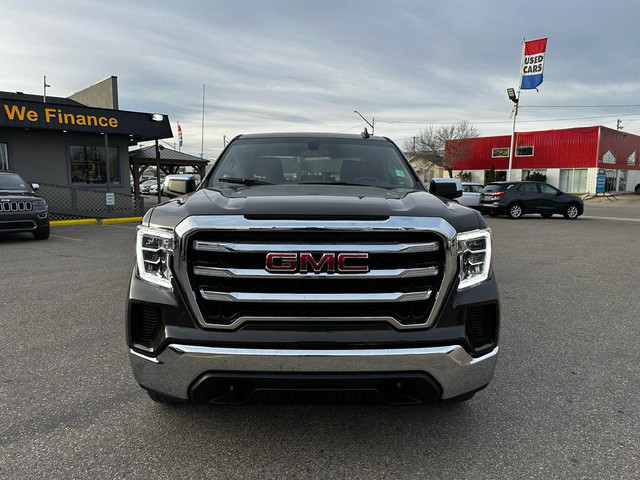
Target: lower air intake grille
x,y
145,323
481,325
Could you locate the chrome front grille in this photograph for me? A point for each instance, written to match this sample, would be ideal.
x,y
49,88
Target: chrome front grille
x,y
223,264
14,206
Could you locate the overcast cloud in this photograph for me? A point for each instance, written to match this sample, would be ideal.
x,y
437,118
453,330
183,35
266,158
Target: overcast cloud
x,y
306,65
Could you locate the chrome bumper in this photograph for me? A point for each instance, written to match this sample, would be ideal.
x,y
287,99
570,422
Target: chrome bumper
x,y
173,371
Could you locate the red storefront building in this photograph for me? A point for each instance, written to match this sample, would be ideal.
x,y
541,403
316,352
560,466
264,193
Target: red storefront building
x,y
570,158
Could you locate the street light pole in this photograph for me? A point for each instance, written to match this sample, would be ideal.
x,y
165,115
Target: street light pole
x,y
515,99
371,124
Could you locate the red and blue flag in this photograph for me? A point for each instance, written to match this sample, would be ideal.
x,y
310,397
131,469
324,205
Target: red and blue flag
x,y
532,63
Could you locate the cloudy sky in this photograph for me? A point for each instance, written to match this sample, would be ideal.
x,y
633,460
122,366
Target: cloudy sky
x,y
287,65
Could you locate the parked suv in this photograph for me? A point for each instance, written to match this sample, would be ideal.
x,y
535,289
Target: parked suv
x,y
516,199
20,209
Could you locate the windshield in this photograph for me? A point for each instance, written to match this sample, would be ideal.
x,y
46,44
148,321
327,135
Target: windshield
x,y
12,181
280,161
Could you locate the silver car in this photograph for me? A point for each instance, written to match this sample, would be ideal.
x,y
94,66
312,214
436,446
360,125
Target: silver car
x,y
470,194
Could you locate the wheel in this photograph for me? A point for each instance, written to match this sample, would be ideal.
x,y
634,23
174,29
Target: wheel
x,y
41,233
164,399
515,211
546,215
571,212
638,189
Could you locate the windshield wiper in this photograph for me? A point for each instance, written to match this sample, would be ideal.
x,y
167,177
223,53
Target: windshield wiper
x,y
244,181
336,182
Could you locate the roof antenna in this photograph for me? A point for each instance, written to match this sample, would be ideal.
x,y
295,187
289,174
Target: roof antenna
x,y
365,134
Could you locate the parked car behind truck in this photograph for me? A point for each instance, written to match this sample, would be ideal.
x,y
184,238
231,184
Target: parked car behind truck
x,y
516,199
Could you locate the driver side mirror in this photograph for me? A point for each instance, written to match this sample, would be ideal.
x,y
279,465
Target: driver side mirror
x,y
446,187
175,187
35,187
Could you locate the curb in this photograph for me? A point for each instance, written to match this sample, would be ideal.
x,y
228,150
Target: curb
x,y
83,221
94,221
107,221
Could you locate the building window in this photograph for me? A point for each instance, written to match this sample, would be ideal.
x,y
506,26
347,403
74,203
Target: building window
x,y
4,157
500,152
88,165
524,151
609,157
526,174
573,180
631,159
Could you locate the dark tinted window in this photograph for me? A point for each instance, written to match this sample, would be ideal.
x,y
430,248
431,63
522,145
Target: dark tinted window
x,y
314,160
472,188
11,181
494,187
548,189
528,188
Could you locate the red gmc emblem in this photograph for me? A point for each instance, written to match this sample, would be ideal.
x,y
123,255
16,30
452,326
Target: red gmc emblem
x,y
327,262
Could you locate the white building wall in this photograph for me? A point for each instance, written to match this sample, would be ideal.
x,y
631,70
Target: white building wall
x,y
592,176
633,179
553,177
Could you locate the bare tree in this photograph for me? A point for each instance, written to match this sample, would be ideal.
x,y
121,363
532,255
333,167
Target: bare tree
x,y
441,146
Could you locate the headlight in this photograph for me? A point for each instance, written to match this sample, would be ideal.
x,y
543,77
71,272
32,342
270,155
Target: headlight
x,y
39,202
474,252
153,252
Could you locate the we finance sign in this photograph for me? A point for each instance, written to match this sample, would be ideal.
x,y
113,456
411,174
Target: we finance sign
x,y
39,115
34,115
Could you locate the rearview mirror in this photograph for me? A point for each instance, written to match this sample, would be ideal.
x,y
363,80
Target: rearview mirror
x,y
446,187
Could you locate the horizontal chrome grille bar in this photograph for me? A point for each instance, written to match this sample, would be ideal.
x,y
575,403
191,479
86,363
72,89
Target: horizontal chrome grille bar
x,y
258,297
259,273
205,246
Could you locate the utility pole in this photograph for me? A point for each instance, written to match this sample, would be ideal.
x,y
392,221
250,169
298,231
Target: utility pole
x,y
414,145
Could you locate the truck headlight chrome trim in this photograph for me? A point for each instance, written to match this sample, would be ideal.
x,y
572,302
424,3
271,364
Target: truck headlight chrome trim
x,y
474,254
153,253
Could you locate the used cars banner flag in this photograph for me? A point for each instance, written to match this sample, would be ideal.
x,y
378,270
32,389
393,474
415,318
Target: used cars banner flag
x,y
532,63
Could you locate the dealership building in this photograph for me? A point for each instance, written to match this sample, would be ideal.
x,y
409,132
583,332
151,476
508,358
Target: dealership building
x,y
569,158
76,148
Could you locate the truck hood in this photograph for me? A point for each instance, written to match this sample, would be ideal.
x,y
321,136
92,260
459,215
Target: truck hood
x,y
313,202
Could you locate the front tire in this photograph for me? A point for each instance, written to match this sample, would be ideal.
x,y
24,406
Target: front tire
x,y
42,233
638,189
515,211
571,212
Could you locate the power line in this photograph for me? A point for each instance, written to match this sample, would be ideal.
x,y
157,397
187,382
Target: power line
x,y
502,121
579,106
350,128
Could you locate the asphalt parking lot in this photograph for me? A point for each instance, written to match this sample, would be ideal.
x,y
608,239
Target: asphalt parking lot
x,y
563,404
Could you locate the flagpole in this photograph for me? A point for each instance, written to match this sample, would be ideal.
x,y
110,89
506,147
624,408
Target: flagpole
x,y
515,114
202,134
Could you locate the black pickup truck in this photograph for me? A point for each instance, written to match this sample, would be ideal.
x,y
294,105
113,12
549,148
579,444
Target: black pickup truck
x,y
312,265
